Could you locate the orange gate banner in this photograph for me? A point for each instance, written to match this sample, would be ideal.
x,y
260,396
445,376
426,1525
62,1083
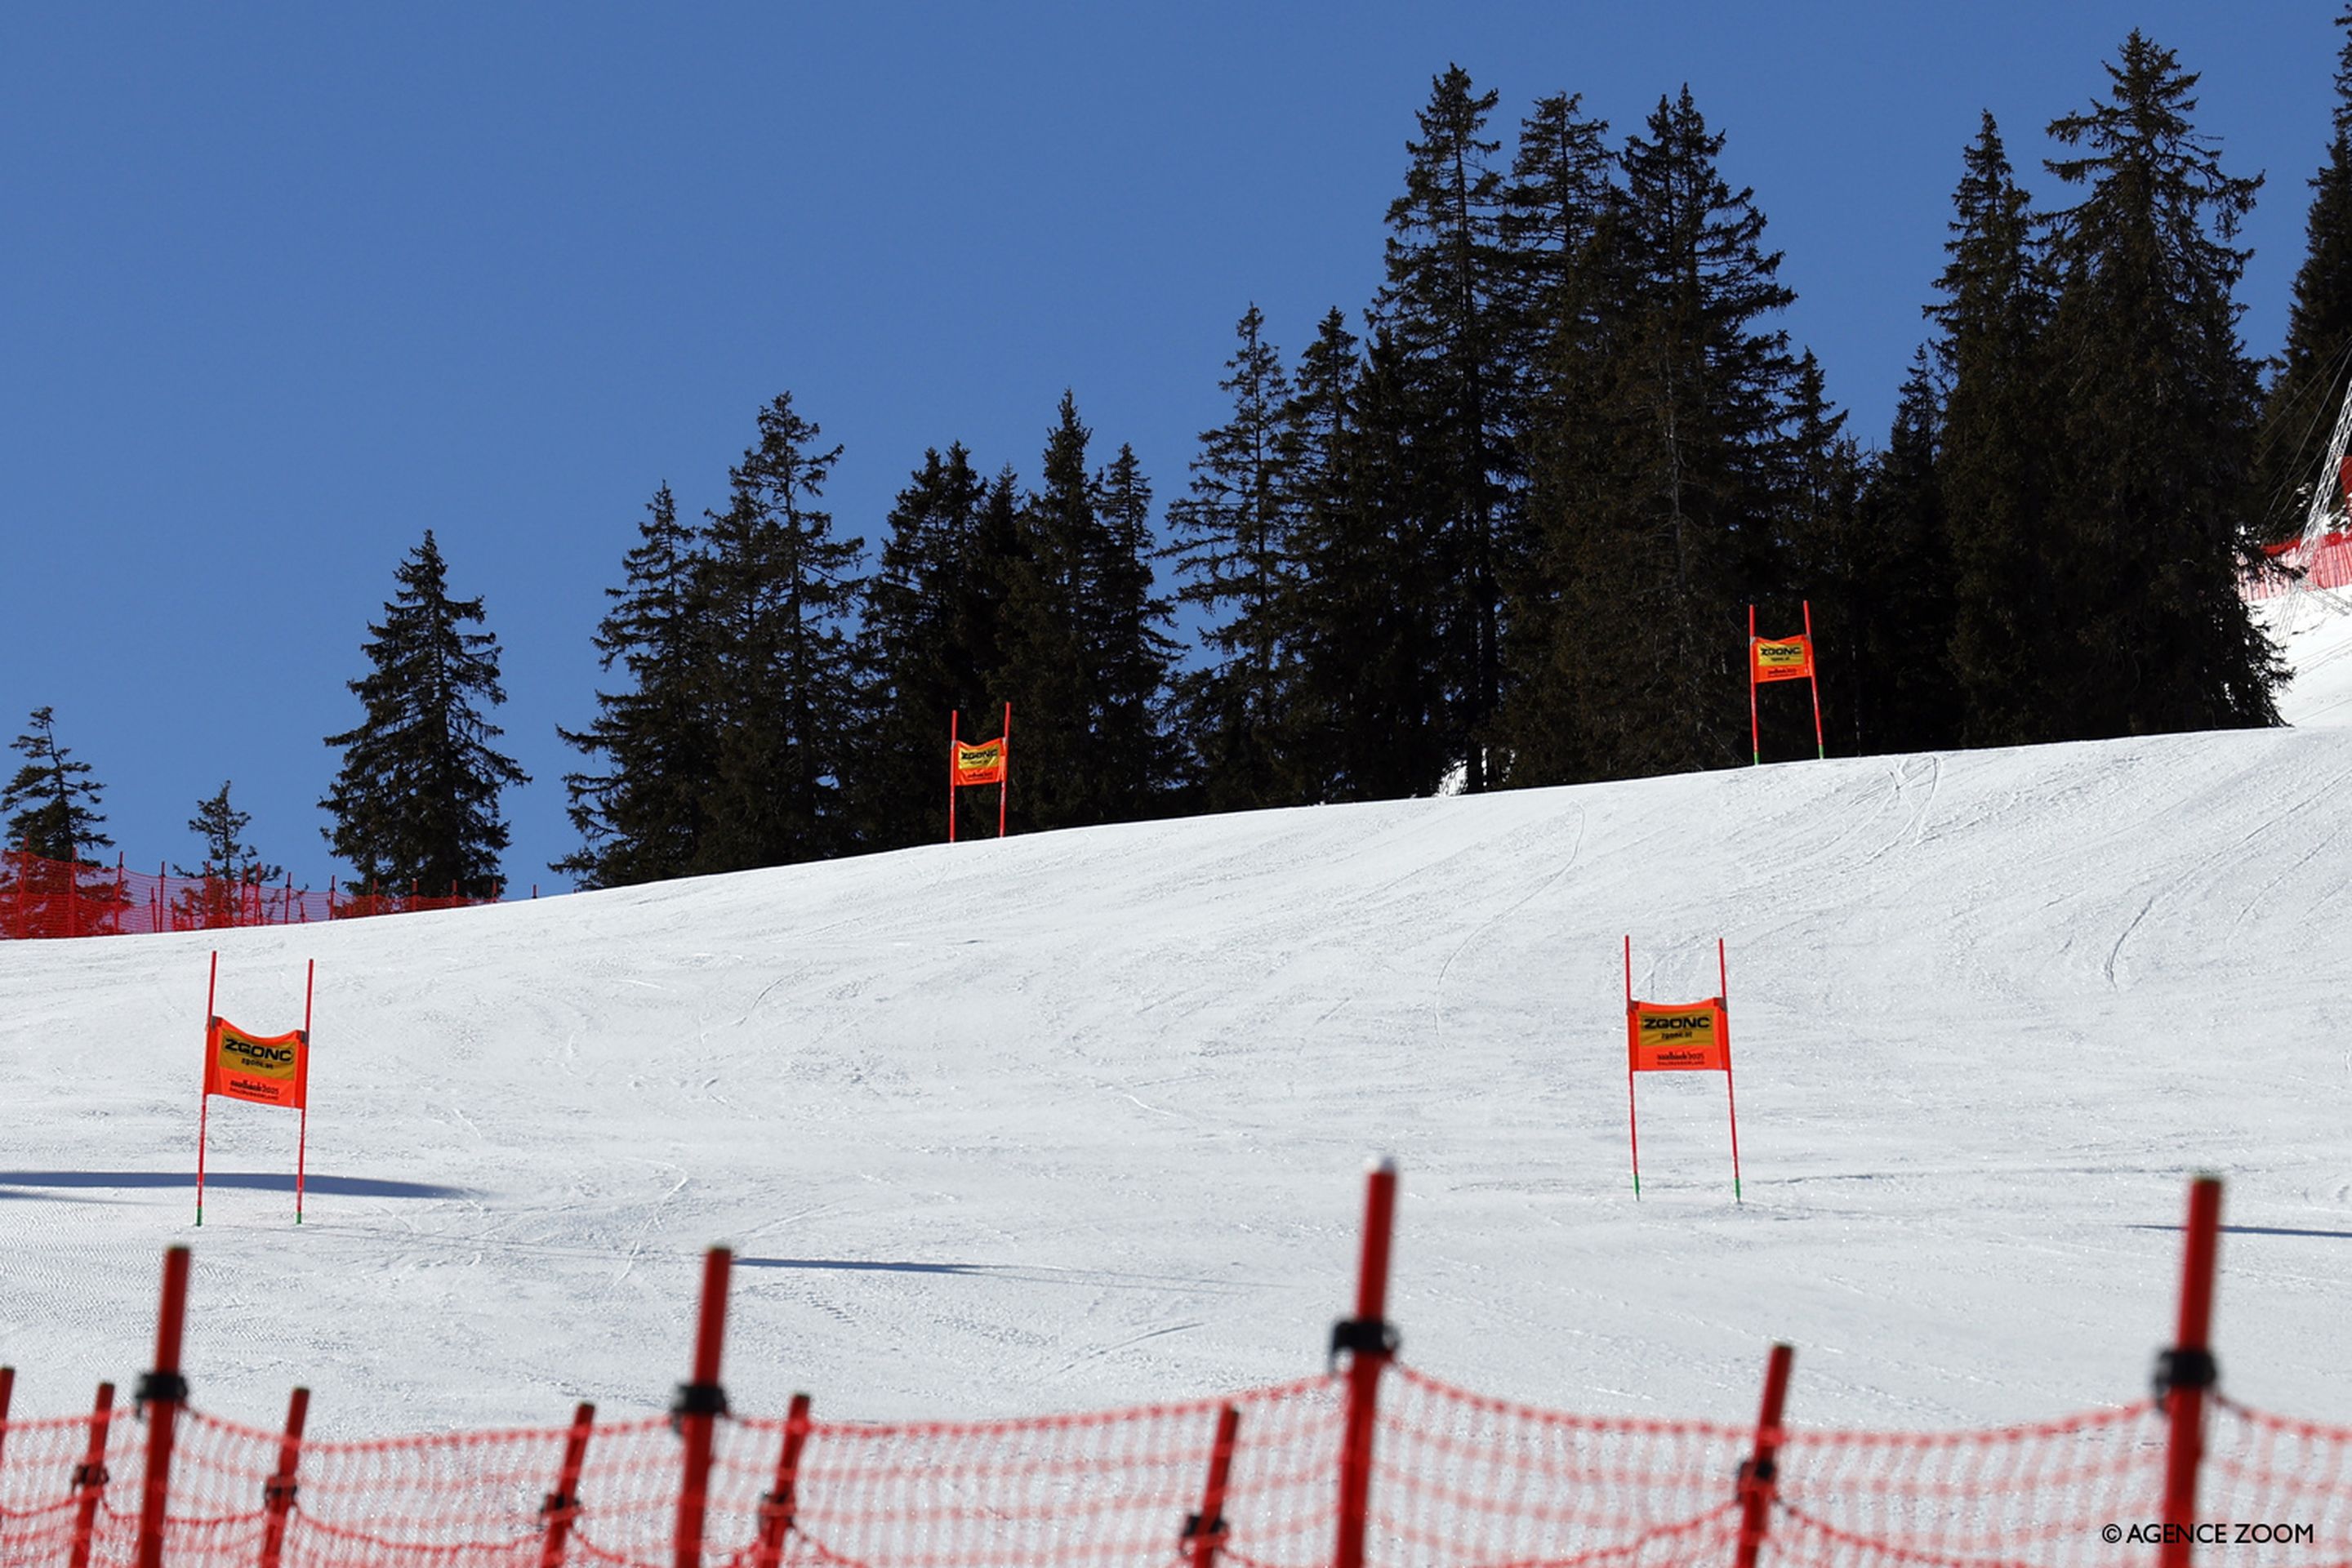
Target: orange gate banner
x,y
267,1069
1695,1037
1786,658
981,764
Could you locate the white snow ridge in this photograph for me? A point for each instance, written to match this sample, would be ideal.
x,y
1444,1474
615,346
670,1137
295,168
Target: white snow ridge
x,y
1078,1120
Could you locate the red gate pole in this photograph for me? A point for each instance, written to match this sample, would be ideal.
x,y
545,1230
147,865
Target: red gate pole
x,y
204,1097
1723,1001
1633,1115
698,1407
302,1086
278,1497
89,1477
1004,768
1759,1478
1204,1532
955,735
1371,1343
560,1507
8,1392
2185,1372
1755,729
776,1509
162,1393
1813,663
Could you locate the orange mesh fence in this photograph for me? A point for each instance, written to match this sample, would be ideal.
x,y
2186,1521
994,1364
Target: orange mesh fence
x,y
1459,1480
2284,1486
2042,1494
1120,1487
42,899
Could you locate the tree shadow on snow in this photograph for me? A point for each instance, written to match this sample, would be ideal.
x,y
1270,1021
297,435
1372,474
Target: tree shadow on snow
x,y
2258,1230
257,1180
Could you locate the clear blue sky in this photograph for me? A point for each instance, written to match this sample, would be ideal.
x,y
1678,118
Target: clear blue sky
x,y
283,286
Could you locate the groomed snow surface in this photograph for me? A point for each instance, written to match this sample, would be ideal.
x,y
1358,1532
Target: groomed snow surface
x,y
1079,1119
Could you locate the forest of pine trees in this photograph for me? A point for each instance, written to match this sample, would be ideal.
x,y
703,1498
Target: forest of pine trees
x,y
1504,529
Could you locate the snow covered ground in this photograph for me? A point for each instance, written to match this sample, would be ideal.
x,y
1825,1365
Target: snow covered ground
x,y
1079,1119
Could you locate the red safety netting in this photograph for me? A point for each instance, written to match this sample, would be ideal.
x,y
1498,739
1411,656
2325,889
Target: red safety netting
x,y
1462,1480
1458,1480
2043,1494
42,898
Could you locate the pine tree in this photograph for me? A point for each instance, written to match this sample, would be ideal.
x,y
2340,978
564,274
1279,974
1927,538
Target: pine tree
x,y
2154,482
1443,306
781,677
1997,451
1892,610
221,828
2299,414
929,646
415,802
1047,675
643,817
1662,474
1127,650
1231,536
52,799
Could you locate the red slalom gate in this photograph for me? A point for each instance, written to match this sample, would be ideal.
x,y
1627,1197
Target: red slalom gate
x,y
1377,1464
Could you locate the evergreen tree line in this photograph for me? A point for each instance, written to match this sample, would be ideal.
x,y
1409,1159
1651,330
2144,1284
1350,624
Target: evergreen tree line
x,y
1507,533
1504,530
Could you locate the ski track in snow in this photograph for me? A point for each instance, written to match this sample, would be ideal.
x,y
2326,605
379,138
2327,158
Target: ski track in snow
x,y
1079,1119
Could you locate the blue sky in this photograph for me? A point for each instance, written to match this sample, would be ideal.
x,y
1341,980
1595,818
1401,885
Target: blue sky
x,y
285,285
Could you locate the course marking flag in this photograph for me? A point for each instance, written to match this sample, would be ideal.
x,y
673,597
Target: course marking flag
x,y
1781,659
261,1069
979,763
1687,1036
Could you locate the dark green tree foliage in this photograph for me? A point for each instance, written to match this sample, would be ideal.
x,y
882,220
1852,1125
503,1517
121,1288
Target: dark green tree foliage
x,y
1129,649
1889,686
2156,443
1554,206
1232,539
778,589
643,815
416,798
1445,308
1994,467
1046,677
2299,415
52,799
929,629
221,827
1662,490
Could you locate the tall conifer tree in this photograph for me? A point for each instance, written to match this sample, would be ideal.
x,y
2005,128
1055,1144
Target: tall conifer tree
x,y
1994,468
2155,466
52,799
2299,414
1445,311
643,817
1231,536
780,589
415,802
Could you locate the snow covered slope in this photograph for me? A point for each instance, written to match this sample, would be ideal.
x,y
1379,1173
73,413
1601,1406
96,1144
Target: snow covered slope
x,y
1079,1119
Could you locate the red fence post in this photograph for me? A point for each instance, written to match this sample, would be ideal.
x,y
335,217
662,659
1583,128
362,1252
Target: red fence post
x,y
561,1506
700,1404
89,1477
1759,1476
776,1509
1204,1532
162,1393
1370,1343
2185,1372
278,1497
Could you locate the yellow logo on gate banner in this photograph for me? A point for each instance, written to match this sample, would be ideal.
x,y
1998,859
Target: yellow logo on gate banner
x,y
265,1068
1693,1038
981,764
1785,659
